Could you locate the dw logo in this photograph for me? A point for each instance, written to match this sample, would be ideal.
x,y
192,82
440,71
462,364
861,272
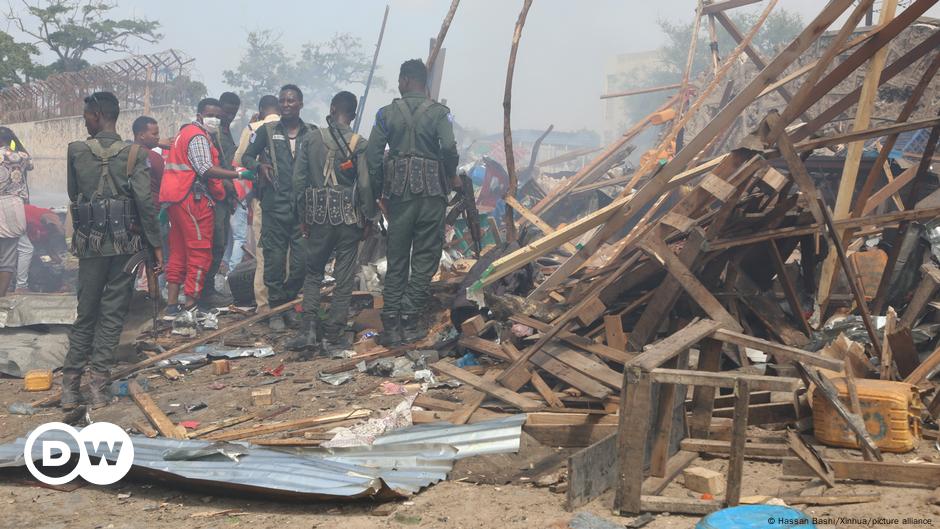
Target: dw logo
x,y
103,440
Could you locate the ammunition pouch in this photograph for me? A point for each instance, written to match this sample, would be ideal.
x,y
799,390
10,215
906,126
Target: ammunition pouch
x,y
335,205
94,221
422,176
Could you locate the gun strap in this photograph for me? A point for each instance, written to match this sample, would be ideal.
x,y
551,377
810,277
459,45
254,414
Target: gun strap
x,y
271,152
104,155
132,159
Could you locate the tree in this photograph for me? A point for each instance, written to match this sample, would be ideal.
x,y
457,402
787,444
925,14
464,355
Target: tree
x,y
16,61
72,28
320,69
779,29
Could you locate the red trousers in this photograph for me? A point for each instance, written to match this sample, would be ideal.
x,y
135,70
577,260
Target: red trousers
x,y
190,242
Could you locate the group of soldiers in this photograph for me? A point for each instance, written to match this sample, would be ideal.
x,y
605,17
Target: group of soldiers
x,y
320,190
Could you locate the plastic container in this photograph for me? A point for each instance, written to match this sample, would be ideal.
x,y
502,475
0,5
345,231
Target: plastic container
x,y
38,380
891,411
755,517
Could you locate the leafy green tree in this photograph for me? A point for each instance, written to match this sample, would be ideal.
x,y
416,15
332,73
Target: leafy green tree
x,y
72,28
320,69
16,61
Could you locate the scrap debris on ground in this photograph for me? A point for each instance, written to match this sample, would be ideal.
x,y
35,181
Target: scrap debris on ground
x,y
716,314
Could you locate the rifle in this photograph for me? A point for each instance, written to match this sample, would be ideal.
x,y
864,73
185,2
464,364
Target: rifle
x,y
149,259
465,203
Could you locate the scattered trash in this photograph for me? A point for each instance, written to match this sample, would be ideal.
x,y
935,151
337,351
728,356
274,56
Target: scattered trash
x,y
366,433
391,388
342,354
196,407
190,425
521,331
468,359
335,379
275,372
21,408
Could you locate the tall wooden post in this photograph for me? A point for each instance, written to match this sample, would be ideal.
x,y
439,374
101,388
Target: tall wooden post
x,y
510,222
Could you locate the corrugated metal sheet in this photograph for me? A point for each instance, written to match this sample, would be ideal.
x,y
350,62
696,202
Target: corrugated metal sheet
x,y
490,437
401,463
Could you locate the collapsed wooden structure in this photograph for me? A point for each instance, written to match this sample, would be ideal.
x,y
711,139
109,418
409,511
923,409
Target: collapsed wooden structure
x,y
693,248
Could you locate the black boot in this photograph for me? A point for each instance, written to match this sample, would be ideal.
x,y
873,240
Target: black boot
x,y
99,387
336,341
413,328
391,332
305,340
71,382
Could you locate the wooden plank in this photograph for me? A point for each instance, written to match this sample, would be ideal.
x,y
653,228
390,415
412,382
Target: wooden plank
x,y
674,344
678,505
655,485
919,375
714,446
662,427
853,158
569,436
916,473
153,413
267,429
534,219
486,386
613,328
144,428
715,7
680,223
874,132
749,50
426,417
703,397
763,413
462,414
538,383
829,392
798,171
639,91
742,393
658,250
483,346
584,365
783,352
925,291
716,187
810,457
224,423
887,354
904,351
572,377
590,311
635,402
890,189
591,472
604,351
788,289
723,380
841,499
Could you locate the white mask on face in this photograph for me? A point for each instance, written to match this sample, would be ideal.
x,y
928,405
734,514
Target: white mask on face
x,y
212,124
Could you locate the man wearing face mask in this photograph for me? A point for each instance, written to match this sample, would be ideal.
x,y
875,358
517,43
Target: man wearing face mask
x,y
192,183
271,151
225,206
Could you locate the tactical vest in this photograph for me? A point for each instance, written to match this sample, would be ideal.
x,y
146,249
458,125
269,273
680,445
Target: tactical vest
x,y
330,202
107,212
422,176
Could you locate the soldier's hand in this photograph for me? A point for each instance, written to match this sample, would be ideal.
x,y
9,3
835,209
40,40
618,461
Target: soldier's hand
x,y
456,182
158,261
383,206
266,171
305,230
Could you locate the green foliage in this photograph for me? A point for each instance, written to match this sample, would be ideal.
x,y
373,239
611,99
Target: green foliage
x,y
320,69
72,28
16,61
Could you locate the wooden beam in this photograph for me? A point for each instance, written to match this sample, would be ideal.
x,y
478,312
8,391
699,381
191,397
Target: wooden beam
x,y
462,414
716,7
919,375
723,380
635,405
714,446
742,393
916,473
749,50
703,397
604,351
784,352
639,91
486,386
678,505
889,190
672,345
808,455
267,429
154,414
534,219
923,294
536,380
788,289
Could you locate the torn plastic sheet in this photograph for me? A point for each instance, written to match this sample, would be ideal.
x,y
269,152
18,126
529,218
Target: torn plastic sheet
x,y
21,310
200,354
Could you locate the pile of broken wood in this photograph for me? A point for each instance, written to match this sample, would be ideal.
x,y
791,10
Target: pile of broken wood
x,y
709,261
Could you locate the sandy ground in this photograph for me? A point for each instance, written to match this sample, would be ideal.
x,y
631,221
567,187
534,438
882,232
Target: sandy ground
x,y
482,493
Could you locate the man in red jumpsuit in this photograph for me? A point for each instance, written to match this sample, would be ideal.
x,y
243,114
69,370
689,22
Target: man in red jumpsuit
x,y
190,186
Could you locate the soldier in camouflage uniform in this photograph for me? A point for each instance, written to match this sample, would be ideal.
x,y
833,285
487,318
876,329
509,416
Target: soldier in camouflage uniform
x,y
334,203
414,179
114,217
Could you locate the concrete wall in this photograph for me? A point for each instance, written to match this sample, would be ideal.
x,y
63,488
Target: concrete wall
x,y
48,140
